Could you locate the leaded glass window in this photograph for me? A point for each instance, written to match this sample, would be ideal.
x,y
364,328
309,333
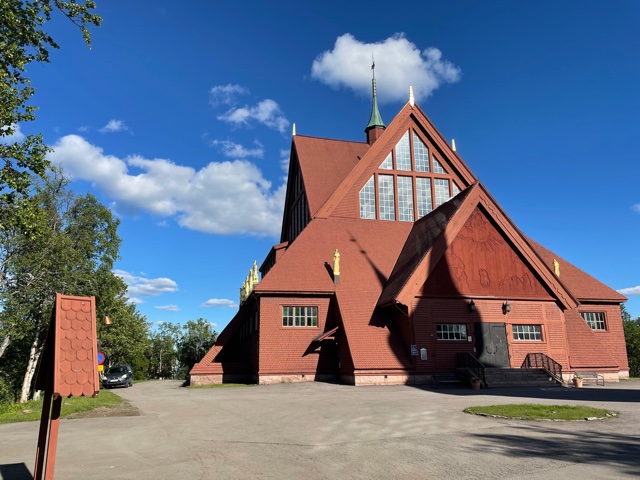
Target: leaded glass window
x,y
423,192
403,155
405,199
420,154
456,189
368,200
441,186
437,168
388,163
386,197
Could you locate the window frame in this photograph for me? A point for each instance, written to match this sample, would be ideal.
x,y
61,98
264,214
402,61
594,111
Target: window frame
x,y
593,324
298,313
531,332
463,335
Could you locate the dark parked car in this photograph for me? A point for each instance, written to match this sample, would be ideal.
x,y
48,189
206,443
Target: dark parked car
x,y
120,375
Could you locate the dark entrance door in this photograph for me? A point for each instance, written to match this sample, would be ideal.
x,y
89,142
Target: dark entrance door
x,y
491,344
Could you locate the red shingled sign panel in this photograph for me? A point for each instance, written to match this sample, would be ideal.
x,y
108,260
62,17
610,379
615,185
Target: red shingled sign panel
x,y
76,349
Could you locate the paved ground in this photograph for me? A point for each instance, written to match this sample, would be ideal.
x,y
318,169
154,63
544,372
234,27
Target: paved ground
x,y
318,431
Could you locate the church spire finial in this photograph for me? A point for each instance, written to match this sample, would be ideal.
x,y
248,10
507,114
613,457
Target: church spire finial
x,y
376,125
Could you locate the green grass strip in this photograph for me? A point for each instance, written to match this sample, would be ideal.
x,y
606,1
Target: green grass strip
x,y
532,411
31,410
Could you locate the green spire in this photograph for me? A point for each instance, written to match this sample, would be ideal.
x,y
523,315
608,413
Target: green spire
x,y
375,120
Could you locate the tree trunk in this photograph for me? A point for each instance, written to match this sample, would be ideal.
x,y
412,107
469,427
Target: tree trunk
x,y
34,355
5,343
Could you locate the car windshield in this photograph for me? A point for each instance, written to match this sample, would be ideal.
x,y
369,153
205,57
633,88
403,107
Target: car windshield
x,y
117,370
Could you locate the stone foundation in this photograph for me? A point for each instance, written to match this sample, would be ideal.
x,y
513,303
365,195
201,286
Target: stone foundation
x,y
198,380
286,378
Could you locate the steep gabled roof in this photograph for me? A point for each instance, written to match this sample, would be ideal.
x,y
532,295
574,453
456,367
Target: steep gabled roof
x,y
582,285
368,250
417,261
324,164
409,116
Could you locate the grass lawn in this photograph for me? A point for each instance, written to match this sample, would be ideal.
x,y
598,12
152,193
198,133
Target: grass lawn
x,y
532,411
30,411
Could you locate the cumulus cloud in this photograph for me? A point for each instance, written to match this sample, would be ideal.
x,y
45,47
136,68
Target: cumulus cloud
x,y
630,291
223,197
114,126
225,94
284,160
11,134
399,63
636,207
266,112
168,308
138,287
235,150
220,302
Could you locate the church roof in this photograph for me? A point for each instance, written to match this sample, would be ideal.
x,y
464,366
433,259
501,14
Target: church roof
x,y
324,164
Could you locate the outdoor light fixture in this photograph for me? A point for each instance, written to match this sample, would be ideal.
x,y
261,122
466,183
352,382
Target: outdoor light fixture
x,y
506,308
107,321
472,306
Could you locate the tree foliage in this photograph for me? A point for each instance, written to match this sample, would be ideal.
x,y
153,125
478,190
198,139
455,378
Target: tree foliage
x,y
196,340
632,339
24,40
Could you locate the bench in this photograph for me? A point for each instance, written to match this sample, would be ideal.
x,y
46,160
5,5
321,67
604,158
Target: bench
x,y
591,377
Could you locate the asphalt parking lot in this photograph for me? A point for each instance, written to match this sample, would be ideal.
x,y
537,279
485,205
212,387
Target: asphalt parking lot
x,y
325,431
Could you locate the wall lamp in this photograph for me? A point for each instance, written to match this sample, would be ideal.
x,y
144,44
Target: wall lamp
x,y
107,321
506,307
472,306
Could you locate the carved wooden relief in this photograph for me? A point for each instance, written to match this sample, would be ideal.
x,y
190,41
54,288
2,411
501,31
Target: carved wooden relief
x,y
481,262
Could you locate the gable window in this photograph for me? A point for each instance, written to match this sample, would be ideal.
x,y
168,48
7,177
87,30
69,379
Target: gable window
x,y
451,331
386,196
368,200
409,183
527,332
595,320
299,316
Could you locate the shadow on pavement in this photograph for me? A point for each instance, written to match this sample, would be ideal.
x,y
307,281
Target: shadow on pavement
x,y
592,394
15,471
588,447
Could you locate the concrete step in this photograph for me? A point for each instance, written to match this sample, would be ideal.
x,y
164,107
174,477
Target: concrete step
x,y
517,377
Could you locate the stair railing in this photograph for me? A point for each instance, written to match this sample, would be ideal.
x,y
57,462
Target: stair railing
x,y
548,364
471,363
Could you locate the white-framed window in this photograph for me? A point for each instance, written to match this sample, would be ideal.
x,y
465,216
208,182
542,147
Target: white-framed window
x,y
595,320
368,200
405,199
451,331
299,316
527,332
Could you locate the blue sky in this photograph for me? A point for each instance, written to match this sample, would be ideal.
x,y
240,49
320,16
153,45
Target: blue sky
x,y
179,118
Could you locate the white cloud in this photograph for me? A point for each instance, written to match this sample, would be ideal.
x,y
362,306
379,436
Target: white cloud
x,y
114,126
266,112
138,287
11,134
223,197
399,63
225,94
630,291
636,207
284,160
220,302
168,308
235,150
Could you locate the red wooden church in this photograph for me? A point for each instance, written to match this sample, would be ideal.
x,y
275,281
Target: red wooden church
x,y
396,265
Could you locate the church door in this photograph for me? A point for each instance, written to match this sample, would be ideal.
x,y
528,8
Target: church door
x,y
491,344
